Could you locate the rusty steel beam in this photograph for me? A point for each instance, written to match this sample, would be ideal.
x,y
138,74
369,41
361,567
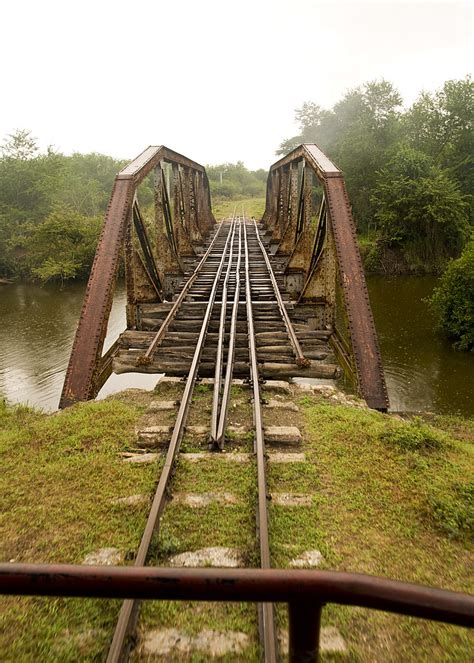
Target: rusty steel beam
x,y
365,346
253,585
92,327
81,382
139,168
369,371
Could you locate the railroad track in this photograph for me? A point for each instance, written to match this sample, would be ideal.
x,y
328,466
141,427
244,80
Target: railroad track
x,y
233,277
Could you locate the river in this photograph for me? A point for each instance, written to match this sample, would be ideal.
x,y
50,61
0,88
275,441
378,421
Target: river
x,y
423,372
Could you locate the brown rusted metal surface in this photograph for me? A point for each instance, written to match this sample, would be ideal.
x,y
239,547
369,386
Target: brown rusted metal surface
x,y
141,270
139,168
304,626
92,328
266,610
320,276
364,339
276,585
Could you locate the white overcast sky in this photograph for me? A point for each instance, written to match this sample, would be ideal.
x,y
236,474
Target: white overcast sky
x,y
215,80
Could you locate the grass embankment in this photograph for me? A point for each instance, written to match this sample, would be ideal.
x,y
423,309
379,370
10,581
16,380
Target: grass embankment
x,y
389,497
222,209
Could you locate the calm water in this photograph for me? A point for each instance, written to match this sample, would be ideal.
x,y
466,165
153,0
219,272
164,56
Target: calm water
x,y
422,371
36,332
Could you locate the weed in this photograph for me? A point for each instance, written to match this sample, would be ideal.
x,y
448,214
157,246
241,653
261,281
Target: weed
x,y
414,436
453,511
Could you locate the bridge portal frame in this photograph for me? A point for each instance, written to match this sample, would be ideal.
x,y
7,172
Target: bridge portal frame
x,y
183,222
327,257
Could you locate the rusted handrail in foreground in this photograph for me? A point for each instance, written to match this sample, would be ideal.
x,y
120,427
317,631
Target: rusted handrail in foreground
x,y
305,592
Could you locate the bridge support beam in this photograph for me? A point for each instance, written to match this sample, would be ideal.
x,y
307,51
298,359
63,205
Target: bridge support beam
x,y
328,261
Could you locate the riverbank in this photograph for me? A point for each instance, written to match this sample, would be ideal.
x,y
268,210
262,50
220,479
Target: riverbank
x,y
382,495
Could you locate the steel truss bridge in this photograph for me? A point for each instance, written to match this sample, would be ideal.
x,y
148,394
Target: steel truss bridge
x,y
282,297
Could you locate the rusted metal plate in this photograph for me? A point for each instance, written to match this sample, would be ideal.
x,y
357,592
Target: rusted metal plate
x,y
356,298
92,327
323,166
139,168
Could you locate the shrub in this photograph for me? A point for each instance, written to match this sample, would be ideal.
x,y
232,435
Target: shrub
x,y
453,300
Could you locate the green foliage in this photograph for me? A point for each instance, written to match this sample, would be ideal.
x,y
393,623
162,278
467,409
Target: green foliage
x,y
230,180
453,511
416,203
425,214
358,133
62,246
453,300
441,124
413,436
50,209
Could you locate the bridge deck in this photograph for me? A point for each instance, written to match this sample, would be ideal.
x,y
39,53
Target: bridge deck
x,y
274,350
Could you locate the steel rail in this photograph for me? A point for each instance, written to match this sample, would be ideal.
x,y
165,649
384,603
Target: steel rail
x,y
266,611
128,615
300,358
160,334
220,345
219,441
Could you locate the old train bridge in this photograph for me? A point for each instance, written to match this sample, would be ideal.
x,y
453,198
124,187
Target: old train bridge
x,y
281,297
298,268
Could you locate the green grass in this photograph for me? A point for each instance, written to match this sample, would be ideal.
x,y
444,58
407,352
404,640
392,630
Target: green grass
x,y
395,505
389,497
223,209
59,476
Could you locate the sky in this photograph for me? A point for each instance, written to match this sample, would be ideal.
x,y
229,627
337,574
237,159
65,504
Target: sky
x,y
217,81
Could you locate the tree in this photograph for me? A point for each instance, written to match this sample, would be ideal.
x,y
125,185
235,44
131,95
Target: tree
x,y
441,124
453,300
62,246
358,133
19,145
418,206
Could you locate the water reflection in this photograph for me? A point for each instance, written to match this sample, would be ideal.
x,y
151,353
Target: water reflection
x,y
423,372
38,326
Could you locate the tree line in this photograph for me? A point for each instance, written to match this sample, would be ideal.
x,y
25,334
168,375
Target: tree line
x,y
52,206
409,172
410,178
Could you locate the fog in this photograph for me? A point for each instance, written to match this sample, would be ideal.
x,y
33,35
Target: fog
x,y
218,81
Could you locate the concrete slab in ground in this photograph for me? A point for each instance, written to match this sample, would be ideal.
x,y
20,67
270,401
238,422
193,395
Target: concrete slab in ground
x,y
158,406
227,457
281,405
307,560
139,459
218,556
291,499
282,435
198,431
131,500
153,436
282,457
279,386
170,641
104,556
197,500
